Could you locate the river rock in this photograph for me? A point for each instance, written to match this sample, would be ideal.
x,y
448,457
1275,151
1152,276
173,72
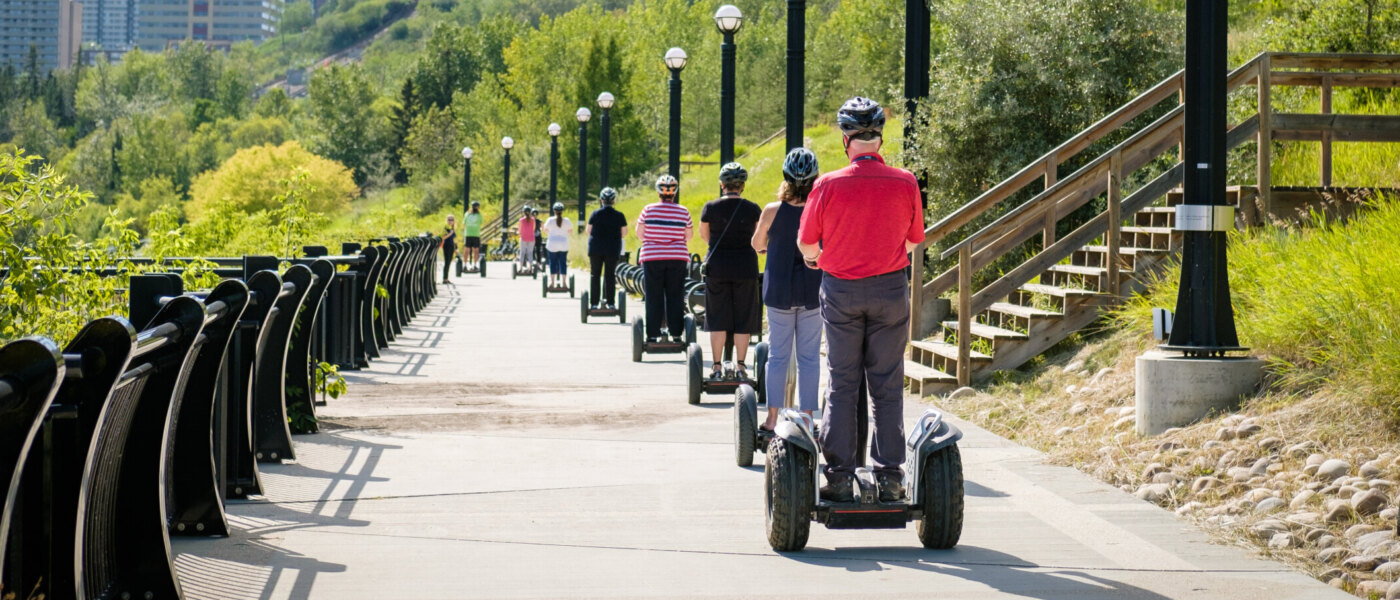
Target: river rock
x,y
1372,588
1358,530
1071,389
1267,528
1225,434
1153,492
1388,514
1260,467
1337,512
1361,563
1269,444
962,392
1124,422
1369,469
1238,474
1204,483
1346,492
1166,477
1332,469
1258,495
1324,542
1079,408
1063,431
1304,518
1268,505
1247,429
1384,485
1168,446
1282,541
1300,449
1301,499
1393,592
1315,459
1366,541
1369,502
1189,508
1334,556
1074,366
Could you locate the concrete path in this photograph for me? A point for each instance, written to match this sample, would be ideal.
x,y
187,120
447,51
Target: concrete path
x,y
501,449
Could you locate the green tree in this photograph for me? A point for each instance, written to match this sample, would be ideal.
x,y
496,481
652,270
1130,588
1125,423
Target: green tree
x,y
431,145
342,126
248,182
297,16
35,133
274,103
149,196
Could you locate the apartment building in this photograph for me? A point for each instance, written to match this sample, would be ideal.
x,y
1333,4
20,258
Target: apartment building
x,y
219,23
54,28
109,28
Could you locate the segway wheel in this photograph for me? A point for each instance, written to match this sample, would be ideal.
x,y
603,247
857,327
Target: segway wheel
x,y
514,270
788,495
459,266
621,306
583,308
571,286
481,266
544,288
638,339
760,369
695,373
942,497
745,426
690,329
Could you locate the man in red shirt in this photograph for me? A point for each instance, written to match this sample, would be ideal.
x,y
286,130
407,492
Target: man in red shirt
x,y
860,224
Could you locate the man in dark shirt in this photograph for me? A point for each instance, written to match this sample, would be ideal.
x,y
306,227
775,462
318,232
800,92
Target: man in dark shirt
x,y
731,267
606,228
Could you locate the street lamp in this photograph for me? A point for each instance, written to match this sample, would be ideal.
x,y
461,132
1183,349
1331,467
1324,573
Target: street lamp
x,y
466,178
796,56
553,163
582,115
675,61
605,102
728,19
507,144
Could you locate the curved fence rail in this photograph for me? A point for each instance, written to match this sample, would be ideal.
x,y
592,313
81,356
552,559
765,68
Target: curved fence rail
x,y
128,436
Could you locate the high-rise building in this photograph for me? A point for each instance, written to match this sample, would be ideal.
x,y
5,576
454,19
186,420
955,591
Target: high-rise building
x,y
220,23
52,27
109,27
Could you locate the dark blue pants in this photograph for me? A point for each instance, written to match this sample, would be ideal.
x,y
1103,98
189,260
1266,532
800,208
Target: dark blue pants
x,y
867,330
665,280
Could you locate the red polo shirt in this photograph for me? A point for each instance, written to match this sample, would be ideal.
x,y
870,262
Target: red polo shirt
x,y
862,215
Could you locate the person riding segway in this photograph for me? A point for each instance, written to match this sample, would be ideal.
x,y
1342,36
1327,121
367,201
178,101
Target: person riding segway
x,y
525,263
664,227
791,293
606,229
471,240
733,312
858,227
449,249
558,230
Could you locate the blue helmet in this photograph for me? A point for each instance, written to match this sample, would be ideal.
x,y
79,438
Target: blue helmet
x,y
800,167
733,174
861,119
608,196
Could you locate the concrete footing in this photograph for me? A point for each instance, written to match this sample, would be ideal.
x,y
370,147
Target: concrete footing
x,y
1173,390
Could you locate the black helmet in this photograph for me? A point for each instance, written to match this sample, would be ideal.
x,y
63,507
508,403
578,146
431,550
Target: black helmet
x,y
529,210
732,174
558,207
607,196
861,119
667,185
476,204
800,167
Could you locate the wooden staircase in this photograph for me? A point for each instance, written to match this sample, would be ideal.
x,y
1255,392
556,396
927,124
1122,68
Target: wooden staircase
x,y
1067,281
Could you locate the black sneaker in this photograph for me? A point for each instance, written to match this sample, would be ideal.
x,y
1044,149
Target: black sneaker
x,y
676,339
652,340
592,307
837,489
891,486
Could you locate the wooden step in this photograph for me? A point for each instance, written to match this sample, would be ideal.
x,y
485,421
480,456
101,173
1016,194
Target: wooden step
x,y
1157,230
1025,312
997,335
1079,270
924,380
1014,316
1056,291
1124,250
943,357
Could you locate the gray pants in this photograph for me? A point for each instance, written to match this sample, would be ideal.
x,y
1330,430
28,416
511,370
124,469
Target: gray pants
x,y
867,330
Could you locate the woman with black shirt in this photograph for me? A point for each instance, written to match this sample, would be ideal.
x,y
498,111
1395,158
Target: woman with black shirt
x,y
449,246
731,268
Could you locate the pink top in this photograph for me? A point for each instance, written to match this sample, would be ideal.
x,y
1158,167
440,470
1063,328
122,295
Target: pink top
x,y
663,226
527,229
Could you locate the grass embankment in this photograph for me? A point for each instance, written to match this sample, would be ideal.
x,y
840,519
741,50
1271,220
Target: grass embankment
x,y
1321,305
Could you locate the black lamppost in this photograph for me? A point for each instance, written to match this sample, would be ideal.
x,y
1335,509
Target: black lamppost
x,y
728,19
796,55
506,143
582,115
1204,323
553,163
605,102
466,178
917,64
675,61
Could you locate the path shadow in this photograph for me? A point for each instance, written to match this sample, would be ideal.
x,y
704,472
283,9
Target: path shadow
x,y
299,495
998,570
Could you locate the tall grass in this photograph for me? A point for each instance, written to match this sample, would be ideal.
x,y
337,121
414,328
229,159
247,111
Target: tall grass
x,y
1354,164
1322,304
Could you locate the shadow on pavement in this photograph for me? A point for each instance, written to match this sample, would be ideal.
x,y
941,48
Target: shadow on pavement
x,y
998,570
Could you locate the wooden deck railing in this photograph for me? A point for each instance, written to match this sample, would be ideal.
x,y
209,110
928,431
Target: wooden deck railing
x,y
1105,174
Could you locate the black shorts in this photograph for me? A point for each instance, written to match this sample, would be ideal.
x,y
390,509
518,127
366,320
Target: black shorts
x,y
733,305
471,242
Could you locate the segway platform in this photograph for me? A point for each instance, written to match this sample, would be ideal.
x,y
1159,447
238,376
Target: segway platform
x,y
728,382
641,346
933,485
516,271
620,310
556,289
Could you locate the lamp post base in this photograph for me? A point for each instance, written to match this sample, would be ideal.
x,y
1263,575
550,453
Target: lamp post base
x,y
1174,390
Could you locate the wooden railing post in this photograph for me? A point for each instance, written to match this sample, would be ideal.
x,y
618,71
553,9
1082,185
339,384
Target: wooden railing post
x,y
965,315
1115,222
1052,176
916,293
1326,135
1266,136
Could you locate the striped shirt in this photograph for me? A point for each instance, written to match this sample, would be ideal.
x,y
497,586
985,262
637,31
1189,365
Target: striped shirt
x,y
663,227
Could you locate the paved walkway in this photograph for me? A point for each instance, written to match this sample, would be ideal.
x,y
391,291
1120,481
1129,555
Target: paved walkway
x,y
503,450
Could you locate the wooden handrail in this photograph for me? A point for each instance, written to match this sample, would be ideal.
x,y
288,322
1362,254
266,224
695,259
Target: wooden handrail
x,y
1317,61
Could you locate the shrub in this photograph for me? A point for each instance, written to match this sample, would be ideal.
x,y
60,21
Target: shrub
x,y
251,181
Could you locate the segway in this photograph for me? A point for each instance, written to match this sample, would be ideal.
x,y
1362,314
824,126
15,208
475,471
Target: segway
x,y
641,346
620,310
933,484
481,264
516,271
748,437
547,289
728,379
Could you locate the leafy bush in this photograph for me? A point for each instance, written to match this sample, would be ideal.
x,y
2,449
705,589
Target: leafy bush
x,y
253,180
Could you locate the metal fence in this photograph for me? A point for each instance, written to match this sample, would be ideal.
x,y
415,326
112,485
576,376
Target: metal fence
x,y
128,436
